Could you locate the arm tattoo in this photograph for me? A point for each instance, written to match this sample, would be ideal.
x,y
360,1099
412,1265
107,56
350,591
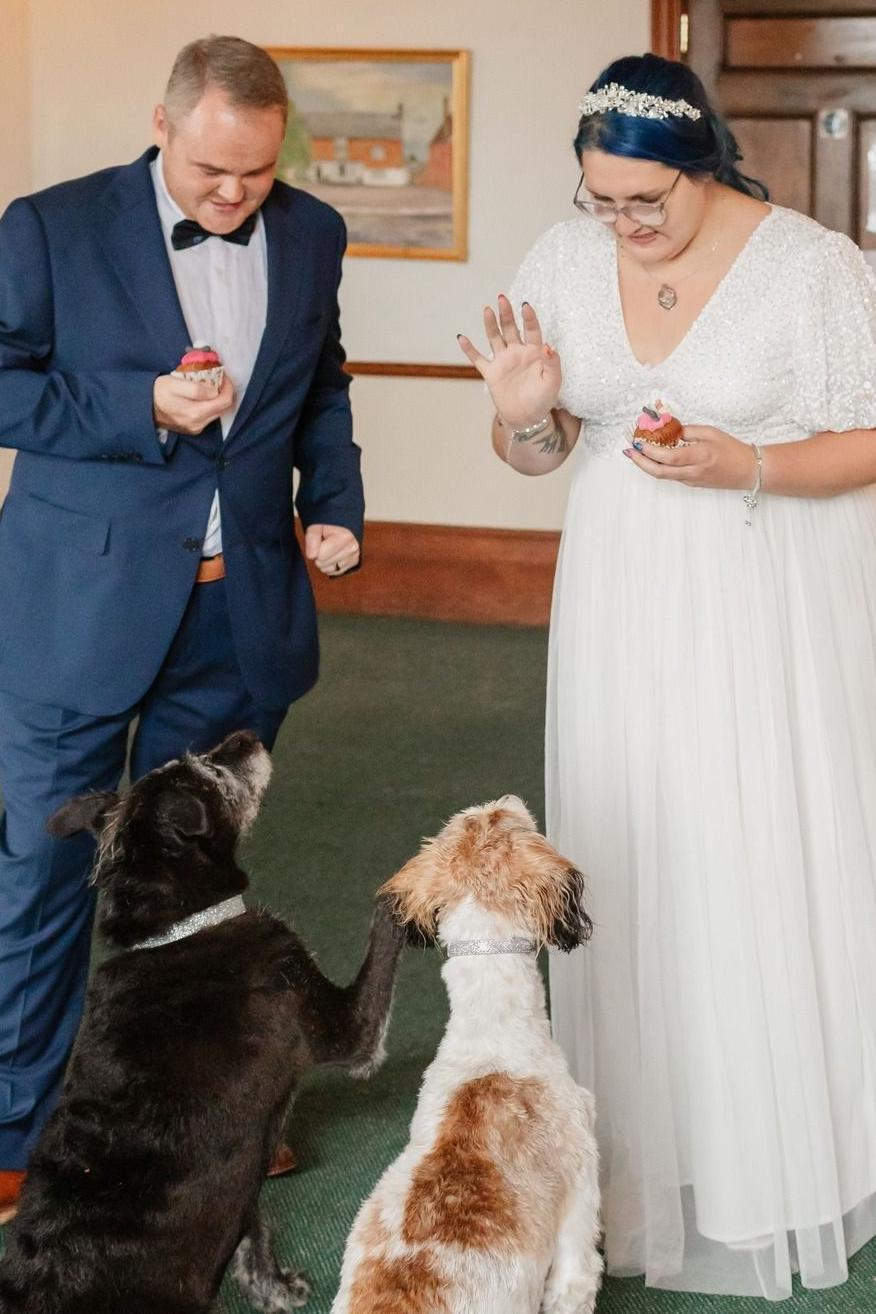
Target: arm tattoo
x,y
553,442
549,443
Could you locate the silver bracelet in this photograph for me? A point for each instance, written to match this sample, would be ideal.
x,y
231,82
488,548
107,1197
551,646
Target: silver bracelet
x,y
531,430
751,498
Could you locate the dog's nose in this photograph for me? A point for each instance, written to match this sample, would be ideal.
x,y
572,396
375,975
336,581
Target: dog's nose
x,y
240,743
514,803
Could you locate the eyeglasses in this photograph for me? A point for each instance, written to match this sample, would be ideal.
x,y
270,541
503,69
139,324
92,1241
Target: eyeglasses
x,y
650,213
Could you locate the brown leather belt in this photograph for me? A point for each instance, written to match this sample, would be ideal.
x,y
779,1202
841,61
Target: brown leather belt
x,y
210,569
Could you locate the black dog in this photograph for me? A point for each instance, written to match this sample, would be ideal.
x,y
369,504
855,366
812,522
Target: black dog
x,y
145,1182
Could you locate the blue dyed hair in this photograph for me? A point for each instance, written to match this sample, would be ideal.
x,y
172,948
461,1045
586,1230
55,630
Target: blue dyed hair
x,y
704,147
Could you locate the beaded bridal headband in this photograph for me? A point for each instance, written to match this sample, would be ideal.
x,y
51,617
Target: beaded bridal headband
x,y
636,104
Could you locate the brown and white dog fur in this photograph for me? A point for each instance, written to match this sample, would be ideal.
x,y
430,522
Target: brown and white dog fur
x,y
493,1205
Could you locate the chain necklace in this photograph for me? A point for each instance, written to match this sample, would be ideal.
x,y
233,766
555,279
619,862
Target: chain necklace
x,y
667,296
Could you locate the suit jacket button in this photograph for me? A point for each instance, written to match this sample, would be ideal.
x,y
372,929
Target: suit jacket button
x,y
223,462
191,544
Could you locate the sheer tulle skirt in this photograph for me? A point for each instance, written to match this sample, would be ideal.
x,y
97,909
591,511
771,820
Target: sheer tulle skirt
x,y
711,765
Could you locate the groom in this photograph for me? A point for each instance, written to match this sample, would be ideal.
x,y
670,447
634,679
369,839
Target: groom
x,y
148,563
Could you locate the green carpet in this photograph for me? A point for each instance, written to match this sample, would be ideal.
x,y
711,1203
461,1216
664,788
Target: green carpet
x,y
410,722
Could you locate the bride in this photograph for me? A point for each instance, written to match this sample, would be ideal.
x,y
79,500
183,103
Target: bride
x,y
711,721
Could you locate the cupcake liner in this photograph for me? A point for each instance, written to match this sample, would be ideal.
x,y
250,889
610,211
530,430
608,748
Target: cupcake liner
x,y
643,436
215,374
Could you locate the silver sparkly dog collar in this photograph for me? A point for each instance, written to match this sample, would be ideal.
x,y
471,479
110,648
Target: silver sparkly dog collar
x,y
199,921
517,944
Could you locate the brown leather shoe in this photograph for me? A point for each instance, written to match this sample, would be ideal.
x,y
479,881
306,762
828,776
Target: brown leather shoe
x,y
284,1161
10,1190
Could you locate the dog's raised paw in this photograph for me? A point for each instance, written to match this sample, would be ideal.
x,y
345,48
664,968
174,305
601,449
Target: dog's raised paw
x,y
298,1290
289,1290
267,1287
278,1296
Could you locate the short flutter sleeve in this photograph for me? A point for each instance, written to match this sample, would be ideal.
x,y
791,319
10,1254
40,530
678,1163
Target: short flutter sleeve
x,y
836,338
536,281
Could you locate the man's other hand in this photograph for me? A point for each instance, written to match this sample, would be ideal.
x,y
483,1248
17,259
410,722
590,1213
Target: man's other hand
x,y
332,549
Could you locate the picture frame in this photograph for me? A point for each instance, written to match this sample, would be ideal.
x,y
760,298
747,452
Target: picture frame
x,y
382,135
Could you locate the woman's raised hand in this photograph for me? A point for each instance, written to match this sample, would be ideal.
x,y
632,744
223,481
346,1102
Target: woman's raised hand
x,y
524,374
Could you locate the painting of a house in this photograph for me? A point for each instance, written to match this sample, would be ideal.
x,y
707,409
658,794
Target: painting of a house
x,y
381,136
357,148
438,169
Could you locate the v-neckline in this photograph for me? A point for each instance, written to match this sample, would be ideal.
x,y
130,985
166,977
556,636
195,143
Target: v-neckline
x,y
707,304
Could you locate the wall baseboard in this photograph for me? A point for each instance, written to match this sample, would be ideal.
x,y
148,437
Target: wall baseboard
x,y
390,369
448,573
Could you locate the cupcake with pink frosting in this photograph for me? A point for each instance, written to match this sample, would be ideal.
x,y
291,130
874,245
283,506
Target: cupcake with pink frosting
x,y
657,425
202,364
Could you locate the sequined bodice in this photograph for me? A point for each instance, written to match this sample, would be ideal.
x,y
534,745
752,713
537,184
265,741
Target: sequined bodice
x,y
782,349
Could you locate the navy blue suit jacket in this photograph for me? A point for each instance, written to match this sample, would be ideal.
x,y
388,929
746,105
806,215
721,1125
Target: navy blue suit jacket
x,y
101,532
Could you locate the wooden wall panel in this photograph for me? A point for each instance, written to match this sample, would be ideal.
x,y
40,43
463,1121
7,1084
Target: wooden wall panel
x,y
867,189
444,572
779,153
829,42
795,7
796,79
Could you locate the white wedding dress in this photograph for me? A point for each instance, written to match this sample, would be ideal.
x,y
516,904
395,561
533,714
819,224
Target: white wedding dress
x,y
711,766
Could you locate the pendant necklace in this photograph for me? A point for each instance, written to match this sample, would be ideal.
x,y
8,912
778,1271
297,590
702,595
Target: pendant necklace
x,y
667,297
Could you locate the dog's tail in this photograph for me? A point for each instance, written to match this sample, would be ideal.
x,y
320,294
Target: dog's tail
x,y
369,996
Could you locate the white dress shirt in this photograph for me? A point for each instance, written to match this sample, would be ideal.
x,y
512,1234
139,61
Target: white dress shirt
x,y
223,291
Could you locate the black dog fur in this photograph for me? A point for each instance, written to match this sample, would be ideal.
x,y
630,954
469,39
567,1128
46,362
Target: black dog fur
x,y
145,1182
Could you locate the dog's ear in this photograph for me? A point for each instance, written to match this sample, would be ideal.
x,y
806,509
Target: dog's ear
x,y
419,938
554,894
182,818
571,925
415,893
85,812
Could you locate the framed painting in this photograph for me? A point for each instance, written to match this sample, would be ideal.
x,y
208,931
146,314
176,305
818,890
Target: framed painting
x,y
382,135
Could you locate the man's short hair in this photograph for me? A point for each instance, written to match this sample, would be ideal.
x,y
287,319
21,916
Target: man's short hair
x,y
245,72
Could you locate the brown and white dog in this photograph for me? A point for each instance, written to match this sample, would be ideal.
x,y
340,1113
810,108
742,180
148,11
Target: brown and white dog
x,y
493,1205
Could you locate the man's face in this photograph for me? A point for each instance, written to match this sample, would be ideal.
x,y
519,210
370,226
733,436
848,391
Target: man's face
x,y
219,159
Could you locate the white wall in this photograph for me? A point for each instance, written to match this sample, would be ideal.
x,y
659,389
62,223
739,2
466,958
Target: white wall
x,y
15,110
98,66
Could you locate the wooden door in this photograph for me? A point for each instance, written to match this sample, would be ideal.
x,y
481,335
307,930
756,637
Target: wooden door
x,y
797,82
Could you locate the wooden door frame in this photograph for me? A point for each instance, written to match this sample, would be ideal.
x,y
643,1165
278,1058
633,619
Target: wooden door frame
x,y
666,26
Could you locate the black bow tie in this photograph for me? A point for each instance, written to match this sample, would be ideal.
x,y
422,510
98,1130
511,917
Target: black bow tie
x,y
187,233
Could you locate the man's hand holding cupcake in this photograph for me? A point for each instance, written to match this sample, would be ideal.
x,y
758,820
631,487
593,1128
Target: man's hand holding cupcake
x,y
197,392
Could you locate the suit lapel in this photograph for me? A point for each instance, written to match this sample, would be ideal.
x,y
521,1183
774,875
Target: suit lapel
x,y
134,245
288,246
